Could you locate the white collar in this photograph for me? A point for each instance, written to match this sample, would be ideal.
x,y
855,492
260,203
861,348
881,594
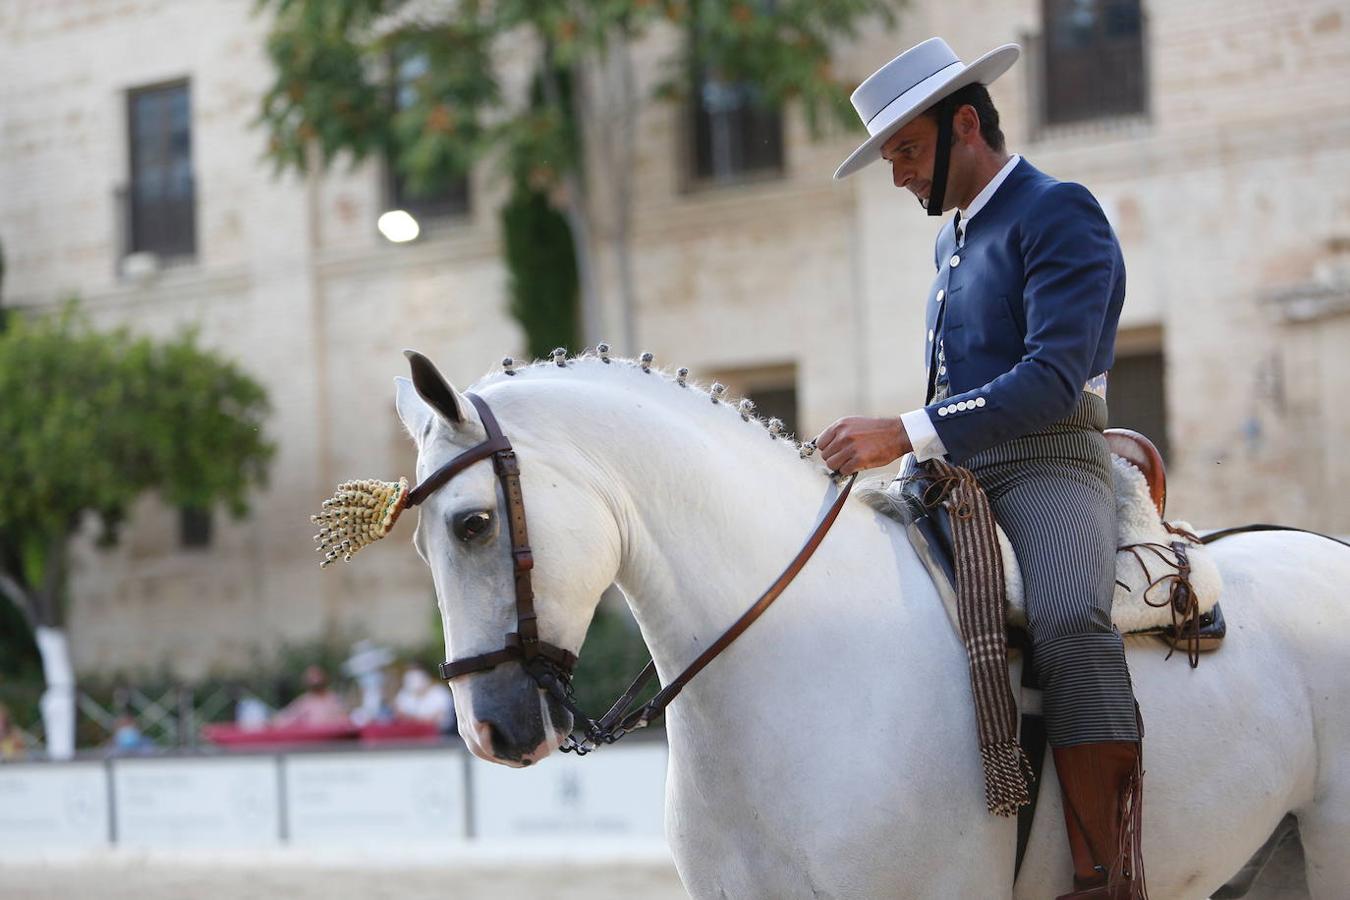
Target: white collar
x,y
983,196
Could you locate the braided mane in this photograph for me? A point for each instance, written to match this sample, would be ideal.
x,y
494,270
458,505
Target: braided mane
x,y
599,360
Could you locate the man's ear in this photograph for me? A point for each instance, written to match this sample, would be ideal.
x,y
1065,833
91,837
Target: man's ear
x,y
966,123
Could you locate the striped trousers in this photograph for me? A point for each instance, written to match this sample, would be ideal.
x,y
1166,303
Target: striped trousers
x,y
1052,493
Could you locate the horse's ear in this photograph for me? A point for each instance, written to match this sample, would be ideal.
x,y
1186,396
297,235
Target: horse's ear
x,y
434,389
416,416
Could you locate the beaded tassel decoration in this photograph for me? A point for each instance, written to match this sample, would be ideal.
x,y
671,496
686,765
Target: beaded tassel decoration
x,y
359,514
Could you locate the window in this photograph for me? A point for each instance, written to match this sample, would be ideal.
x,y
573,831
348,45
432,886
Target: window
x,y
161,199
734,134
1135,397
1093,63
450,200
194,526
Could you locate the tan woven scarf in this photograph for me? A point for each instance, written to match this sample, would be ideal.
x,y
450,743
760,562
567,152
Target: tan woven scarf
x,y
981,601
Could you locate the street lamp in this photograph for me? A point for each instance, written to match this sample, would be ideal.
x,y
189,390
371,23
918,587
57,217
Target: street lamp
x,y
398,226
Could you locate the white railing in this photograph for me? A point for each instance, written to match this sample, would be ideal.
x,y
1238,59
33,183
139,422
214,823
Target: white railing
x,y
376,803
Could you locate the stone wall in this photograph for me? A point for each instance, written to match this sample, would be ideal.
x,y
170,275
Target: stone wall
x,y
1231,199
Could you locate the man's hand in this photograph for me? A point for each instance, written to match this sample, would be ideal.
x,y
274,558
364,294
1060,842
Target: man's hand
x,y
855,443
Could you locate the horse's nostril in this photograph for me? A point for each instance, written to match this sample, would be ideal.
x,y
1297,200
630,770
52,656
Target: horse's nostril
x,y
492,737
501,744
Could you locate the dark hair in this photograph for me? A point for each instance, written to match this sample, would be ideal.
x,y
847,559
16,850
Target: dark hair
x,y
977,95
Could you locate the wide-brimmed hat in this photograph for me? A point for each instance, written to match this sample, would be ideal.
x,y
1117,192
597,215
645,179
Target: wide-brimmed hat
x,y
899,91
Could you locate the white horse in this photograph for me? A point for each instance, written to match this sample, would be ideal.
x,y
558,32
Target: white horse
x,y
831,751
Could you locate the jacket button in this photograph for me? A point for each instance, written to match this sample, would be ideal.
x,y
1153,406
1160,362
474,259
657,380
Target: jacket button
x,y
979,401
930,334
942,411
956,261
940,295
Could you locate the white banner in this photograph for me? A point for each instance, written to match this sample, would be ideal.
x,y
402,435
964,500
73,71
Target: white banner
x,y
375,798
212,803
615,792
52,807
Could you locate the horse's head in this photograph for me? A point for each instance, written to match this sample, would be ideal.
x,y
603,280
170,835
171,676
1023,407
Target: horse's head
x,y
464,536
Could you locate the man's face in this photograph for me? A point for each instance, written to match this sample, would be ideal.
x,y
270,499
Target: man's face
x,y
910,152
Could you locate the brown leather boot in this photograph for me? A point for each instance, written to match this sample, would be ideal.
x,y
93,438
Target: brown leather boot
x,y
1103,807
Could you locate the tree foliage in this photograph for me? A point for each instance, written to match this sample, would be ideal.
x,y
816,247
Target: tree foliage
x,y
335,92
332,63
543,285
91,421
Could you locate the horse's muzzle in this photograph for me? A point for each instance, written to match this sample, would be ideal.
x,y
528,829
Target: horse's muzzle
x,y
515,722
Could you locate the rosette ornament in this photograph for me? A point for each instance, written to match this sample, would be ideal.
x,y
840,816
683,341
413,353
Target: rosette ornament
x,y
357,515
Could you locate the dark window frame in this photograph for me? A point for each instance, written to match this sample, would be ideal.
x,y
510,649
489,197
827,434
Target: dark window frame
x,y
1084,75
194,527
164,225
742,143
722,148
1137,383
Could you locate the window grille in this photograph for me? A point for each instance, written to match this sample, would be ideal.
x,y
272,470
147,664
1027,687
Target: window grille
x,y
161,198
1135,396
194,527
735,134
1093,64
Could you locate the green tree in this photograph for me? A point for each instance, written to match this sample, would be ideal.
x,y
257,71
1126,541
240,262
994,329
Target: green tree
x,y
90,422
329,97
2,287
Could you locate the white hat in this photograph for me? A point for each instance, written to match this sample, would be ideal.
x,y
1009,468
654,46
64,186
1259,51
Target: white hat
x,y
894,95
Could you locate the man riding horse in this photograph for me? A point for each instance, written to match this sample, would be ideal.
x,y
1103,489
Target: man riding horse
x,y
1020,333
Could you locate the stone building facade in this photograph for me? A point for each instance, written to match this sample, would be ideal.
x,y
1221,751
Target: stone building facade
x,y
1225,170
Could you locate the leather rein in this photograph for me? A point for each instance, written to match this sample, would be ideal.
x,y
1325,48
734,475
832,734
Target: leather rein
x,y
551,666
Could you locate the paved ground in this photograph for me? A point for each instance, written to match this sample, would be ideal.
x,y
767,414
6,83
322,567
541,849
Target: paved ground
x,y
190,882
133,880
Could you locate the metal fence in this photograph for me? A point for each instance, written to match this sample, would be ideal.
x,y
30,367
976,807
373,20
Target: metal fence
x,y
162,718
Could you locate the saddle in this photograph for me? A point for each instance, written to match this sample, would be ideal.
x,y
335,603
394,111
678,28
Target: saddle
x,y
1166,585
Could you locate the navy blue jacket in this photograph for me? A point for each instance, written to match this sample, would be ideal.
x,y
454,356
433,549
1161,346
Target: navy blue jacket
x,y
1032,302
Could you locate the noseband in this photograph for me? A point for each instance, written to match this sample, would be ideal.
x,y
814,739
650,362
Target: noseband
x,y
551,666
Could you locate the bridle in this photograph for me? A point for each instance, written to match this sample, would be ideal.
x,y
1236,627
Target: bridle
x,y
551,666
523,643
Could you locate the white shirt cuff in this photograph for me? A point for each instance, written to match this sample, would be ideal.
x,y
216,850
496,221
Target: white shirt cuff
x,y
922,435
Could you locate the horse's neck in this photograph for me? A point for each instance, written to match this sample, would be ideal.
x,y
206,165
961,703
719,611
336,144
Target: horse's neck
x,y
857,650
711,508
702,543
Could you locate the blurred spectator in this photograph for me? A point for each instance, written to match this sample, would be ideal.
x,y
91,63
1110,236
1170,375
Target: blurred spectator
x,y
426,700
251,714
317,706
11,742
127,736
366,667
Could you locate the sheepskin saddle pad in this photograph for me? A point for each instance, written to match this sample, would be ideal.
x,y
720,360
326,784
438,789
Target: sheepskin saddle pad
x,y
1157,564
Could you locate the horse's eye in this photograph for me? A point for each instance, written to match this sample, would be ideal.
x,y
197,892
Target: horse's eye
x,y
471,525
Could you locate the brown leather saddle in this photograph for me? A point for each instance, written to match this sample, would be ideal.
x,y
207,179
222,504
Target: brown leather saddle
x,y
1139,451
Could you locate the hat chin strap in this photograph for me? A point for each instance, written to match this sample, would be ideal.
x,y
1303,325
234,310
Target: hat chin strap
x,y
942,156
